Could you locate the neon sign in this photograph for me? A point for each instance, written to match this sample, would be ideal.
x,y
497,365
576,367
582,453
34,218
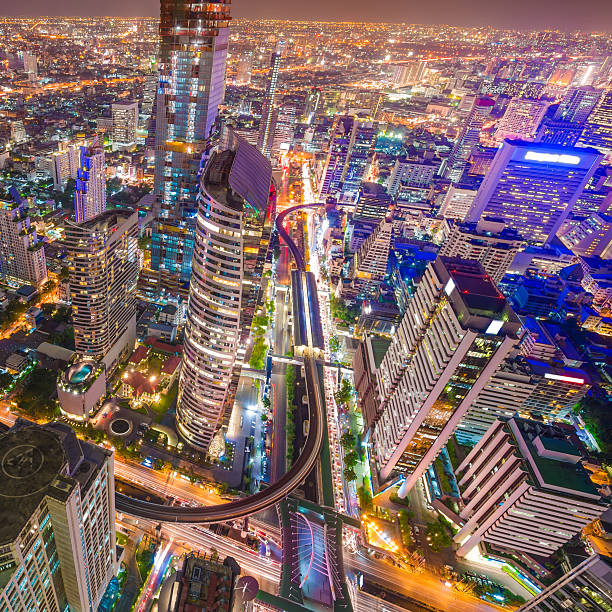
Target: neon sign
x,y
553,158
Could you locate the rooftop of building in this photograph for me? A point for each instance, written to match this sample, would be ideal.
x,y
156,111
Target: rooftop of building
x,y
105,220
565,473
239,175
38,461
474,294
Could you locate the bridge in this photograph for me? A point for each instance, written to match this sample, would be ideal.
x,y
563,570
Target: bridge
x,y
317,433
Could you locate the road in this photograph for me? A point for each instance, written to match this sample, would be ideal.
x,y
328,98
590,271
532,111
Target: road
x,y
421,587
279,388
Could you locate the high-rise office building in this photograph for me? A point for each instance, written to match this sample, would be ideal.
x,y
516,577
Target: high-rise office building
x,y
592,237
125,124
455,333
577,104
243,72
411,73
90,194
350,148
588,586
266,127
597,131
192,56
369,264
457,203
409,173
22,254
231,242
65,164
524,490
521,119
535,389
18,132
468,138
57,504
488,241
103,255
30,63
533,187
313,100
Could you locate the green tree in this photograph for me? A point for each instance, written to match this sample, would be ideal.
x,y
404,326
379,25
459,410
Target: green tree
x,y
349,474
348,441
351,459
438,535
334,344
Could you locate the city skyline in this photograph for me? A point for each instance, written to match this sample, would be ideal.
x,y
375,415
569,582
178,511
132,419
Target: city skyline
x,y
565,16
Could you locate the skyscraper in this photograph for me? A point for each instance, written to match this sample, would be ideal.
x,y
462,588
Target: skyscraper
x,y
104,265
57,510
350,149
192,56
588,586
266,127
577,104
125,123
597,132
231,243
487,241
524,490
521,119
313,99
533,187
455,333
90,194
22,255
64,164
243,73
468,138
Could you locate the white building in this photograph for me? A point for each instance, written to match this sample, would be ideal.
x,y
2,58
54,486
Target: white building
x,y
90,194
22,254
531,388
592,237
524,490
65,163
457,203
104,268
411,173
488,241
57,542
521,119
455,333
228,258
125,123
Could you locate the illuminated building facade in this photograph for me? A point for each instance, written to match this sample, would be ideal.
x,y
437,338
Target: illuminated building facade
x,y
533,187
468,138
231,242
268,115
125,123
535,389
58,546
524,491
192,57
90,194
103,255
597,132
22,254
521,119
455,333
350,149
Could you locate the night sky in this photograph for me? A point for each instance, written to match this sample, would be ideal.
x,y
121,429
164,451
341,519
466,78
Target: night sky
x,y
532,14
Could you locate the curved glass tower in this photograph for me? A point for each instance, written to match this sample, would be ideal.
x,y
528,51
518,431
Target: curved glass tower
x,y
231,242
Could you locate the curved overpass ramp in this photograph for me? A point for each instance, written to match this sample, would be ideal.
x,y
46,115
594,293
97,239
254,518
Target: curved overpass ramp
x,y
277,490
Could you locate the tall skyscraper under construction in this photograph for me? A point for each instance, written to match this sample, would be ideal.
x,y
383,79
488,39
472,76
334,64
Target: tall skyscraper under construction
x,y
193,52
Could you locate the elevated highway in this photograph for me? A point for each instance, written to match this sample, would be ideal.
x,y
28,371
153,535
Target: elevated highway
x,y
310,452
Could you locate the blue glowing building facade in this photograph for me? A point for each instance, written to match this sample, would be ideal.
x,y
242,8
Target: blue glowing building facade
x,y
534,186
193,52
